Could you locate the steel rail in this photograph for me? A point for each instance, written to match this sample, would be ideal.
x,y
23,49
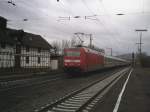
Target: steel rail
x,y
8,85
79,100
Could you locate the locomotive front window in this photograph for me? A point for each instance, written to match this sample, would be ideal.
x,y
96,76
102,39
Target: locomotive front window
x,y
72,53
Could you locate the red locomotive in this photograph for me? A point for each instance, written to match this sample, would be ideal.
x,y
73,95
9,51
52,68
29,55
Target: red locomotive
x,y
86,59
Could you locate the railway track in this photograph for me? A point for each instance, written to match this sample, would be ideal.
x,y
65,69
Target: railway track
x,y
19,83
12,84
85,99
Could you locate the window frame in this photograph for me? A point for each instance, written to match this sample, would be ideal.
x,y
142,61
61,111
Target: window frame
x,y
27,59
39,60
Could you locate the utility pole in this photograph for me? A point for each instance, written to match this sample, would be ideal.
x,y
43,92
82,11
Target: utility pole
x,y
133,59
110,51
90,40
140,43
90,35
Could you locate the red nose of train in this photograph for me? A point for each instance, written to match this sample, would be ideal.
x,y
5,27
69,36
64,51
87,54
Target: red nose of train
x,y
72,62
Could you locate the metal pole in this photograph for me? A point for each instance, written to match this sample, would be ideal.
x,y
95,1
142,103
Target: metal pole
x,y
140,43
111,51
90,40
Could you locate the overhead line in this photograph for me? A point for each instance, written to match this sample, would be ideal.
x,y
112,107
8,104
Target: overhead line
x,y
97,18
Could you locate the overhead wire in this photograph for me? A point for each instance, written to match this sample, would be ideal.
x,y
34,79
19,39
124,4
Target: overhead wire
x,y
99,21
64,7
108,14
69,7
141,7
69,12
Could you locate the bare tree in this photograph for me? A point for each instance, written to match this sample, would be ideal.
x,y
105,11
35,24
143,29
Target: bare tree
x,y
65,44
56,47
74,42
59,47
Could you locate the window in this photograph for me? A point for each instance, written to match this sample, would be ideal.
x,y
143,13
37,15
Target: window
x,y
3,45
39,60
39,50
27,59
72,53
27,49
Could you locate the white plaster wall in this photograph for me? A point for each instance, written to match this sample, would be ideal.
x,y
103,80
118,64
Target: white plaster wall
x,y
8,60
33,58
7,57
54,64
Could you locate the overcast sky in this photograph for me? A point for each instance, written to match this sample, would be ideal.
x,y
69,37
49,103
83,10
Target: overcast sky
x,y
109,30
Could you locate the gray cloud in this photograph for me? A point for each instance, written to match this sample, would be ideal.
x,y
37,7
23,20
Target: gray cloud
x,y
110,30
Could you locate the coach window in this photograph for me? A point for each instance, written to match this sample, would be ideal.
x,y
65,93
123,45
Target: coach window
x,y
72,53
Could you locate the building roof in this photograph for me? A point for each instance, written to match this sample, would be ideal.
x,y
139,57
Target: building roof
x,y
32,40
12,36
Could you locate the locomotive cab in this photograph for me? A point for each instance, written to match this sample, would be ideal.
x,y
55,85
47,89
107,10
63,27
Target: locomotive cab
x,y
72,59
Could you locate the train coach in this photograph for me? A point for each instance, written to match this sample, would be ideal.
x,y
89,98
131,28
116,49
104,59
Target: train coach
x,y
84,59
